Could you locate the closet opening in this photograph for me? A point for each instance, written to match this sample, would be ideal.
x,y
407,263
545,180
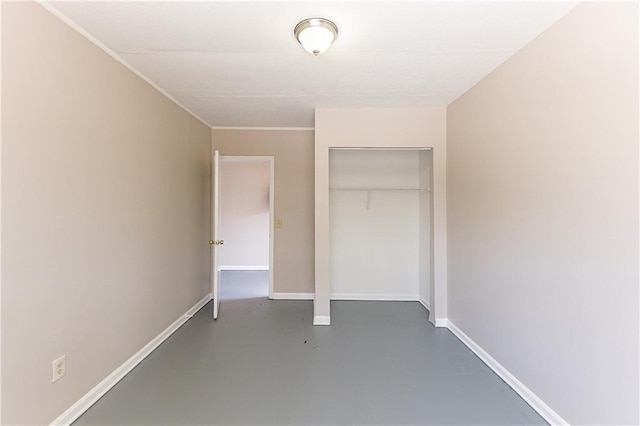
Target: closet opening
x,y
380,224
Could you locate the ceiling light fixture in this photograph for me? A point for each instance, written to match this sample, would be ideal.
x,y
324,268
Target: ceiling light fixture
x,y
315,34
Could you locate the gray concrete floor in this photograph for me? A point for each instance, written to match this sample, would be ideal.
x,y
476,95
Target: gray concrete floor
x,y
264,363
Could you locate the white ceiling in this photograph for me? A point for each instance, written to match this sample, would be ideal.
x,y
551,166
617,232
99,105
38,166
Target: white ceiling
x,y
237,64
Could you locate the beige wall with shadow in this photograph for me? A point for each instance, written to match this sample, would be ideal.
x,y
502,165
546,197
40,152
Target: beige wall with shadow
x,y
105,213
542,205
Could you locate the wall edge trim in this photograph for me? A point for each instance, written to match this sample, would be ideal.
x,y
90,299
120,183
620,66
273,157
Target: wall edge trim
x,y
91,397
243,268
321,320
375,297
424,303
261,128
293,296
525,393
441,322
84,33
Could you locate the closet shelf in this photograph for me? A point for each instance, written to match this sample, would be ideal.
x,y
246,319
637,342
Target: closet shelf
x,y
347,188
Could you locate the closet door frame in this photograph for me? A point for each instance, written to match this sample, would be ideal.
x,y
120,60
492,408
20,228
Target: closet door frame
x,y
370,183
438,261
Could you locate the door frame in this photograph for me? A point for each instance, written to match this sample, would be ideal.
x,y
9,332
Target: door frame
x,y
271,161
214,242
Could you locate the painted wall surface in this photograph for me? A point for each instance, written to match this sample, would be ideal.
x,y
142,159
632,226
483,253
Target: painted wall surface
x,y
425,227
244,214
379,128
105,213
293,153
374,208
542,191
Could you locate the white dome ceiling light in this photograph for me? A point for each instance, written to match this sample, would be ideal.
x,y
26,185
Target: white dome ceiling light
x,y
316,34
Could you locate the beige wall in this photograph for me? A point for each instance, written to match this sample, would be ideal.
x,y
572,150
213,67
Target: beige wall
x,y
379,128
293,243
542,190
105,213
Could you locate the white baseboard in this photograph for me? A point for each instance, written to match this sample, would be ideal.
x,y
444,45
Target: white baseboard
x,y
532,399
424,303
321,320
243,268
375,297
90,398
293,296
442,322
194,309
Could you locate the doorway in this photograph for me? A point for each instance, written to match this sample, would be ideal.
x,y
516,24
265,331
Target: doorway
x,y
246,208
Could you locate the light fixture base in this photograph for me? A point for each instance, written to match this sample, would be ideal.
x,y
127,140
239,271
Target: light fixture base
x,y
315,34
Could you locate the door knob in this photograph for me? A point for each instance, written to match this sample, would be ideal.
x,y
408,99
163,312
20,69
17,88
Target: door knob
x,y
221,242
211,242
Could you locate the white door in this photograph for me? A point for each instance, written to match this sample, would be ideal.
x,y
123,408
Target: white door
x,y
215,242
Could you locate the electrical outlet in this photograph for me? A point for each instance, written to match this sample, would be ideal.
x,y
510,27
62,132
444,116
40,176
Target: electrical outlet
x,y
59,368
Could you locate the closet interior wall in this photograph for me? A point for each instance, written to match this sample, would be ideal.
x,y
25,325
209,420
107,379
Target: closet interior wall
x,y
380,224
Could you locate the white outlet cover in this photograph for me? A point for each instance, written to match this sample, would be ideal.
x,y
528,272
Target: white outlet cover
x,y
59,368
